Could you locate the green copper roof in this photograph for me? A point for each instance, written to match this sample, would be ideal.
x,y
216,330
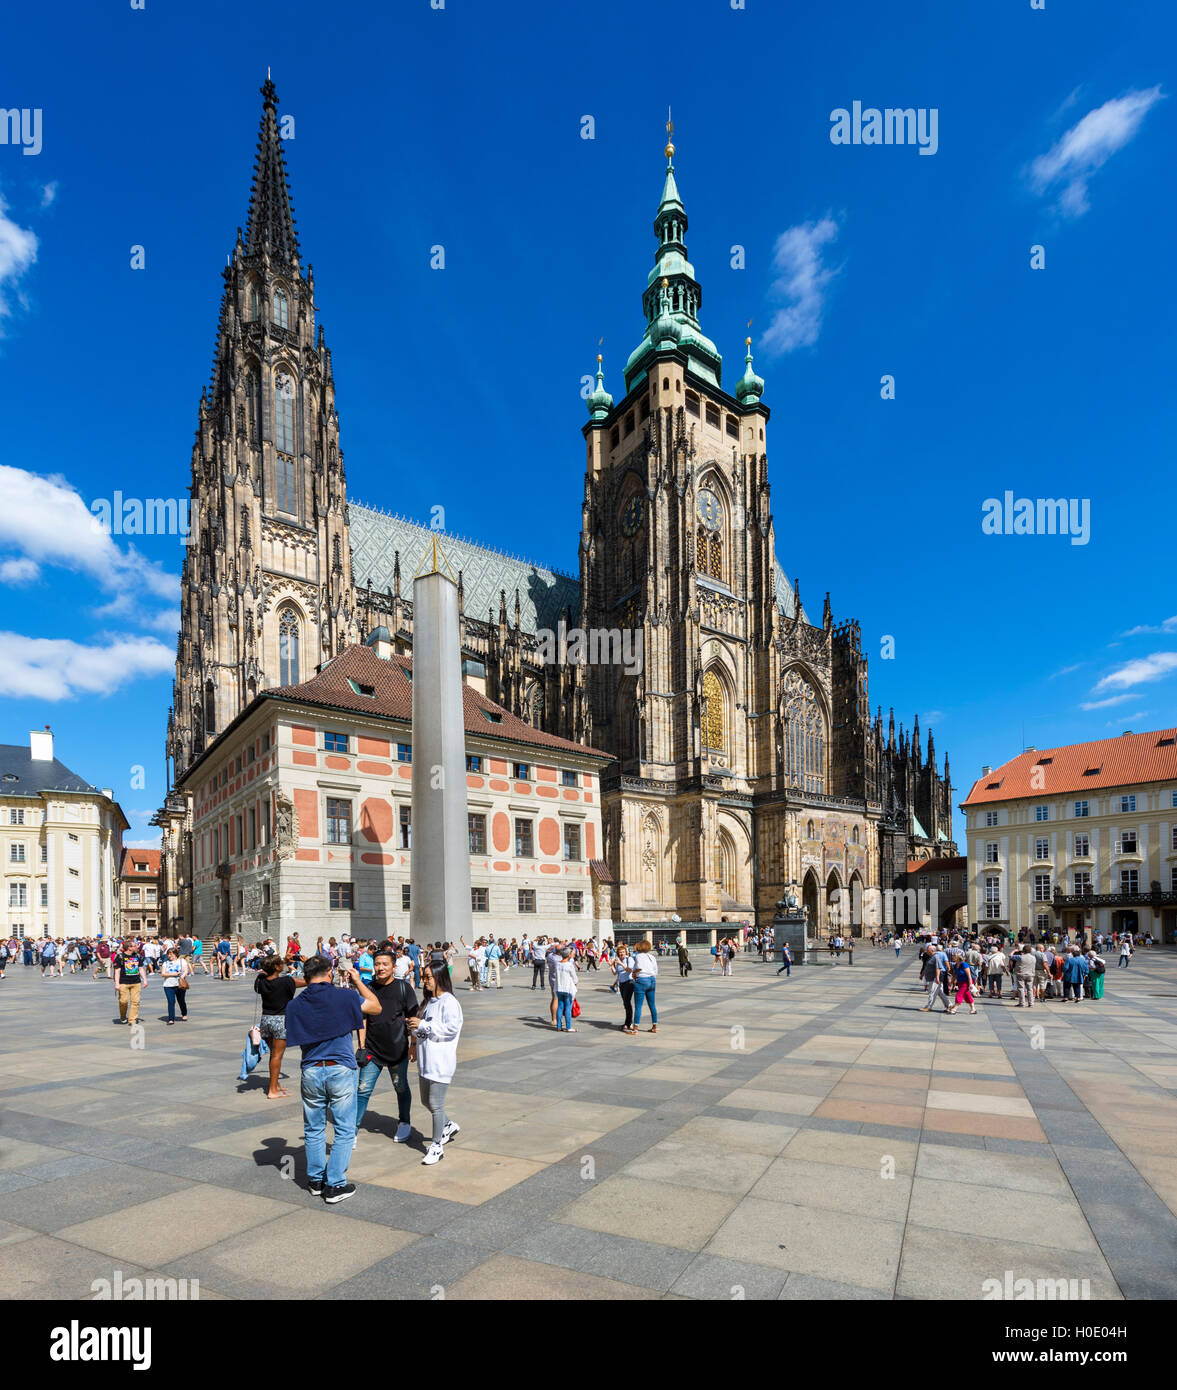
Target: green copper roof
x,y
600,402
750,387
673,296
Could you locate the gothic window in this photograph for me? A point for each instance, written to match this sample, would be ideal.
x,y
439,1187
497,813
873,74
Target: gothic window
x,y
287,499
251,301
210,708
805,742
284,413
288,646
714,721
709,553
281,309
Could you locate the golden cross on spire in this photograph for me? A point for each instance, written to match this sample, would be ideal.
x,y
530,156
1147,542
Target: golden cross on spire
x,y
669,135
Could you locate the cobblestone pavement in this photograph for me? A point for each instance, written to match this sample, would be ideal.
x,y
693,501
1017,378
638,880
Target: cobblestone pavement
x,y
816,1137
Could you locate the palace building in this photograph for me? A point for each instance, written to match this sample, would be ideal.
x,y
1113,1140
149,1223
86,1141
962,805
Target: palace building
x,y
1081,838
743,756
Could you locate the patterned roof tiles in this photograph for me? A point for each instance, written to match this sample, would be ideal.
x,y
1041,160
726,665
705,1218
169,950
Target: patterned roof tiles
x,y
1108,762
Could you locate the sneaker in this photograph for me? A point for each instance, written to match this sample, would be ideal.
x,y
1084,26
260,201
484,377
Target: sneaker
x,y
315,1186
331,1195
451,1131
433,1154
403,1133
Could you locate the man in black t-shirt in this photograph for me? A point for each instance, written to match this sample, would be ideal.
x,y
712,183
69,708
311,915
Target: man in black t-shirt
x,y
386,1041
129,978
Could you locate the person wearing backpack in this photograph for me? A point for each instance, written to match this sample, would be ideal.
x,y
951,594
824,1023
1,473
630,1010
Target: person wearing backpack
x,y
1098,969
494,954
48,956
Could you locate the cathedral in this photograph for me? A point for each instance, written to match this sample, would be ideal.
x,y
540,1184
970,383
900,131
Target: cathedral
x,y
746,756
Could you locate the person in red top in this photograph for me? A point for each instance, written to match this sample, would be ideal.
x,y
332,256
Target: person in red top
x,y
101,958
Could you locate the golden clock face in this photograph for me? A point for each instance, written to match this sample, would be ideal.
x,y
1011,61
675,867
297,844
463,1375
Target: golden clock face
x,y
631,516
709,510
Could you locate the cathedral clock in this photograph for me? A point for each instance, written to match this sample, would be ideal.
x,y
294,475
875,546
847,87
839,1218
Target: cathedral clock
x,y
631,516
709,509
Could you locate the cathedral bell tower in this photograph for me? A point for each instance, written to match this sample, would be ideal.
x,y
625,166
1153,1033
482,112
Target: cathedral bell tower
x,y
677,545
266,591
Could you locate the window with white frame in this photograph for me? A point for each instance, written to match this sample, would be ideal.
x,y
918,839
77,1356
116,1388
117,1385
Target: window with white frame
x,y
1042,922
944,883
16,815
1082,846
1082,883
1129,880
1041,812
1042,849
572,842
993,897
1081,808
991,852
1128,842
1041,888
990,817
1128,803
18,895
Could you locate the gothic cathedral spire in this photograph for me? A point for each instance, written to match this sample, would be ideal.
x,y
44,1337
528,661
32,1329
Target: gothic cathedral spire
x,y
266,591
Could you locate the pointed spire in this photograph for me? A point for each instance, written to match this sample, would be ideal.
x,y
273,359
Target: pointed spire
x,y
827,615
271,213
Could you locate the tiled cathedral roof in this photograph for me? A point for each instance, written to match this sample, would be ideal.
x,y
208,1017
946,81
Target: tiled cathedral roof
x,y
544,593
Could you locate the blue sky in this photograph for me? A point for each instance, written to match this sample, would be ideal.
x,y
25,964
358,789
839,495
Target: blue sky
x,y
461,388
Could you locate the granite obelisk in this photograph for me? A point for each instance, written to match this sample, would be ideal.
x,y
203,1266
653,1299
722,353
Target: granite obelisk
x,y
439,874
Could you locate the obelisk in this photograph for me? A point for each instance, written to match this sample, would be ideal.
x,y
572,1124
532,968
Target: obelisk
x,y
439,874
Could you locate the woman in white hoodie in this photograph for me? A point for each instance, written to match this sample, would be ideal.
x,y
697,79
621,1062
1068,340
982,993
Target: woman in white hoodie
x,y
434,1047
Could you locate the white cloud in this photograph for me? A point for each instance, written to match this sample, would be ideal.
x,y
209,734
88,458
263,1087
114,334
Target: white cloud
x,y
1106,704
1119,723
801,281
46,520
1087,146
18,251
142,844
1066,671
47,668
1169,625
933,716
1145,668
49,194
19,570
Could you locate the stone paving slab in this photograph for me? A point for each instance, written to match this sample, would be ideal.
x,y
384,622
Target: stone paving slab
x,y
812,1138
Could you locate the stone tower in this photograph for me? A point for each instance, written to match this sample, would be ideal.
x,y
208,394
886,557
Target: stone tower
x,y
266,591
677,545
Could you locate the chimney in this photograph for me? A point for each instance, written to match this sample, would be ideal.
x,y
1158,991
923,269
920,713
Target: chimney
x,y
1031,748
1126,733
108,792
41,745
986,770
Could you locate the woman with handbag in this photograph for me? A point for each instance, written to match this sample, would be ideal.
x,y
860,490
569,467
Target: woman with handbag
x,y
175,972
565,990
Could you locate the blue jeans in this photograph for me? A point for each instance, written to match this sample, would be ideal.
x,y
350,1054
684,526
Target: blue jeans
x,y
563,1010
175,995
366,1084
643,993
335,1087
1124,962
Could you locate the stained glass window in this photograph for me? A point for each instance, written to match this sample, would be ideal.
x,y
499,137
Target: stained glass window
x,y
805,742
288,646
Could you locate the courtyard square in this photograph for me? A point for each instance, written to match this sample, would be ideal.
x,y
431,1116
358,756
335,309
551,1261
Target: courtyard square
x,y
814,1137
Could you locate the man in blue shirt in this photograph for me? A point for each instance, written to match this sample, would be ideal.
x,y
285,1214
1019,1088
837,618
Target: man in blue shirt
x,y
321,1021
415,956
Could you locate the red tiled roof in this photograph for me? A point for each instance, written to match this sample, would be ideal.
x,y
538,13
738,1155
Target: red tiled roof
x,y
1108,762
948,865
600,871
131,857
393,699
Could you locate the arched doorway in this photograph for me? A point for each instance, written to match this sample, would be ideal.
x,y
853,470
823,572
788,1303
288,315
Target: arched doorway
x,y
857,901
809,900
